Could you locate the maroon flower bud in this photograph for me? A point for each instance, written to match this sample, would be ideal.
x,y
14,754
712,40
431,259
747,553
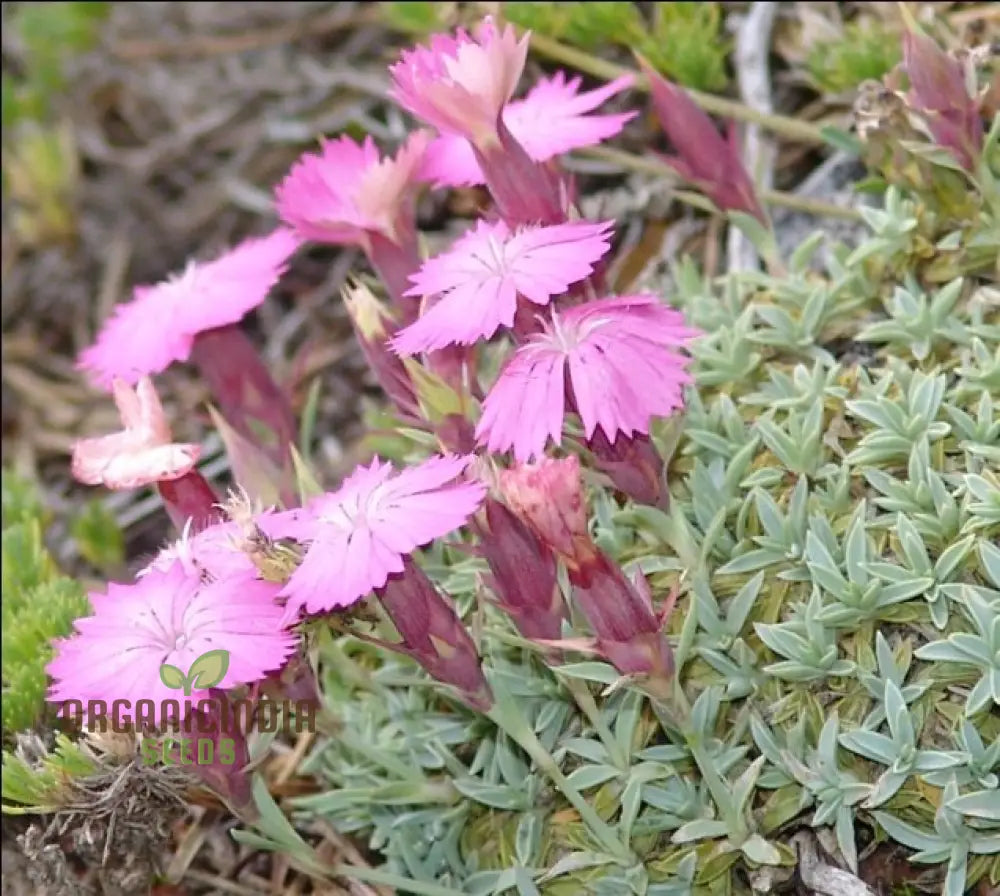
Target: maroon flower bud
x,y
633,465
627,631
295,682
525,192
248,397
456,434
938,92
548,496
523,574
704,157
394,260
433,635
190,498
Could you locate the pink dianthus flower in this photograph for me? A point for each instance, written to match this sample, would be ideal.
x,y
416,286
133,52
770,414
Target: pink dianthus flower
x,y
169,616
623,365
349,191
359,535
460,84
551,119
160,324
481,276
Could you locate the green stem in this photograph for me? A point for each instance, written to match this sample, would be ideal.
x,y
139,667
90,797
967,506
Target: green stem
x,y
772,197
507,716
721,791
396,881
717,105
585,700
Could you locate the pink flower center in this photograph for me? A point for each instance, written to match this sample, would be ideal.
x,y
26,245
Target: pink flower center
x,y
494,259
565,338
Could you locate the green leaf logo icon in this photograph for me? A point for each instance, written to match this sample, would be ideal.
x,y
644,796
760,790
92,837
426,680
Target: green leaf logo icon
x,y
206,672
172,677
209,669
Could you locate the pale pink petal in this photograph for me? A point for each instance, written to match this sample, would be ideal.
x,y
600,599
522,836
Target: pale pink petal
x,y
526,405
158,326
460,84
545,261
450,162
550,120
168,616
361,533
139,338
225,290
481,276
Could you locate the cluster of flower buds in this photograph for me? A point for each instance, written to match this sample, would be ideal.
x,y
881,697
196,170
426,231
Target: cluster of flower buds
x,y
548,498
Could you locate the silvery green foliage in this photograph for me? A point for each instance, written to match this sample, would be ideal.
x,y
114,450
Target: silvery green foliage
x,y
834,516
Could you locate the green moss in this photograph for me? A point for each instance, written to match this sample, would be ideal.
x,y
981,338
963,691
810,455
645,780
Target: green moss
x,y
682,41
39,604
867,51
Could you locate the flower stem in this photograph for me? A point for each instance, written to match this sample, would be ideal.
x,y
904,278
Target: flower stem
x,y
717,105
388,879
772,197
507,716
585,700
721,791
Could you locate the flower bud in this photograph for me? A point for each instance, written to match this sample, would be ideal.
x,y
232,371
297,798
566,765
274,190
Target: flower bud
x,y
938,92
627,631
222,766
703,157
523,573
548,496
433,635
373,327
633,465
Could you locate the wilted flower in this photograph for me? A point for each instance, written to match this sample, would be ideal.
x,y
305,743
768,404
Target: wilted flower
x,y
160,324
460,84
142,453
548,496
478,280
432,634
938,91
624,368
522,573
168,616
551,119
705,159
349,192
359,535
